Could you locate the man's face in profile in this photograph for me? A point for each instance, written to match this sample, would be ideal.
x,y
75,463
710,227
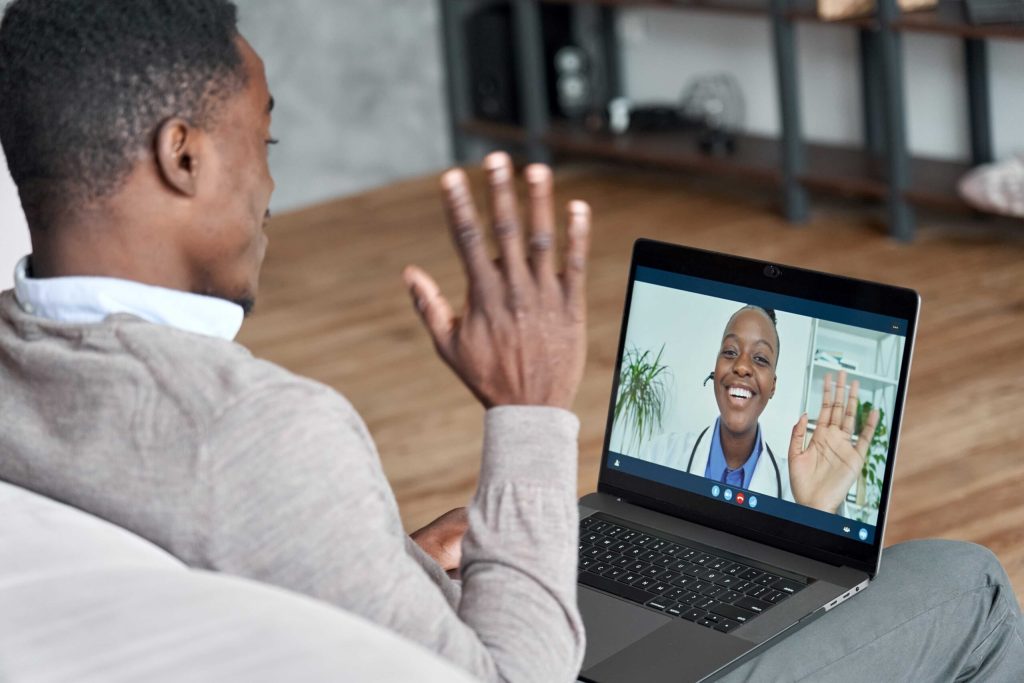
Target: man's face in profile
x,y
227,241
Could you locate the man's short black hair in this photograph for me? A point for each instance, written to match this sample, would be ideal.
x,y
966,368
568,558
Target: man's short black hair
x,y
84,85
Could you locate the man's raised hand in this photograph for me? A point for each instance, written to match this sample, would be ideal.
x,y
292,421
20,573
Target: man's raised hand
x,y
521,337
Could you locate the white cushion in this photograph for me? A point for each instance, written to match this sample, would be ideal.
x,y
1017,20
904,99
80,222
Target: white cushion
x,y
40,537
82,600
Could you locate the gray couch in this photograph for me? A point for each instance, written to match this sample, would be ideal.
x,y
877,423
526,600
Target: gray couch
x,y
82,600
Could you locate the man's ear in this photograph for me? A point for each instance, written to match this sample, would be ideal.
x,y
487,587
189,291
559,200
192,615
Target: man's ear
x,y
177,155
775,380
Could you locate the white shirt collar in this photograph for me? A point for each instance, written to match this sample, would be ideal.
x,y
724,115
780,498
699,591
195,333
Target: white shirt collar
x,y
86,300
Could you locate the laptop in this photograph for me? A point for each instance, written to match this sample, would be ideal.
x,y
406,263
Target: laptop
x,y
715,531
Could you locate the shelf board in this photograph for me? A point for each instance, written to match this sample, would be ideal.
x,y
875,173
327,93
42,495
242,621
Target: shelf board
x,y
748,7
866,379
807,10
756,156
847,171
950,18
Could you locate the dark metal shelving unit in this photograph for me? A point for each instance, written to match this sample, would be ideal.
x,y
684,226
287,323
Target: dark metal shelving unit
x,y
881,169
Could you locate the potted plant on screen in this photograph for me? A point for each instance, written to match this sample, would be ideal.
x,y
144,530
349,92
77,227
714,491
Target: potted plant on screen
x,y
642,395
869,486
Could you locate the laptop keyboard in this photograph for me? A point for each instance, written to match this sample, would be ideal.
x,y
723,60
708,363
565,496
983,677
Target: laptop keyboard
x,y
681,579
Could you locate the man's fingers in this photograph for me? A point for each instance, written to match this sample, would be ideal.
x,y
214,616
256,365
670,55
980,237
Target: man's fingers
x,y
465,227
576,256
542,219
852,403
434,309
501,184
826,401
867,433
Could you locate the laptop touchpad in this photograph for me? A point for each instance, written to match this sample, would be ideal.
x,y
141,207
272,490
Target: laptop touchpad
x,y
613,624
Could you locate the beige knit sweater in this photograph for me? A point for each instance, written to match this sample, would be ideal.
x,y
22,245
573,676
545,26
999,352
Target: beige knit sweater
x,y
234,464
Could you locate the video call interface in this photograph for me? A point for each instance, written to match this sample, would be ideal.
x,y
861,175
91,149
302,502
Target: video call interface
x,y
721,389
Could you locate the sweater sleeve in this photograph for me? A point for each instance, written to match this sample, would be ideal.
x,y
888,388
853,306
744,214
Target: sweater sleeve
x,y
298,498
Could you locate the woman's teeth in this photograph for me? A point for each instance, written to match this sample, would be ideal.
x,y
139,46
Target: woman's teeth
x,y
740,393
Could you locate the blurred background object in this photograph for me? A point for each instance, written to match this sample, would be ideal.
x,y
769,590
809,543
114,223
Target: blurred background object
x,y
996,188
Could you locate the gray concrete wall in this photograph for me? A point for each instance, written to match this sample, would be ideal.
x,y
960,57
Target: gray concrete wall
x,y
359,93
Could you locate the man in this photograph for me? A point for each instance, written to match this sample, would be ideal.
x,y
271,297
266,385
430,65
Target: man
x,y
136,131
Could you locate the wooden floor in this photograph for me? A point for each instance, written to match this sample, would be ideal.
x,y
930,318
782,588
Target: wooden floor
x,y
332,307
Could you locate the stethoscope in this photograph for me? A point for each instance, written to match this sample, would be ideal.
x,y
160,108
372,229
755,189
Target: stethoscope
x,y
775,464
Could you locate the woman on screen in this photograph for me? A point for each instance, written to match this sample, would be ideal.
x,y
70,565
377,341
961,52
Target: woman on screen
x,y
733,451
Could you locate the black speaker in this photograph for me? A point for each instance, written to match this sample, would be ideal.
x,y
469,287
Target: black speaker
x,y
490,51
492,67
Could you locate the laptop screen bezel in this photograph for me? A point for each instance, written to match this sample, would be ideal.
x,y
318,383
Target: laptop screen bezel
x,y
888,300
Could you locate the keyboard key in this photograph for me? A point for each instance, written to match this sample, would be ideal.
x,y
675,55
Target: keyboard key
x,y
750,575
586,562
619,546
774,597
727,581
720,565
629,577
693,614
767,579
615,531
641,539
658,604
633,551
603,583
729,596
733,612
593,551
675,610
614,572
701,559
736,570
672,549
712,591
644,582
687,554
690,583
628,535
674,593
751,604
680,565
598,568
708,621
622,561
669,576
588,522
658,588
704,573
649,556
608,557
654,571
742,586
604,542
787,586
692,569
665,561
758,591
591,538
598,526
656,545
637,566
726,625
704,603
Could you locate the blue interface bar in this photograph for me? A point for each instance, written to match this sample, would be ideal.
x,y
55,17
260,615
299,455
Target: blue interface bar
x,y
768,505
780,302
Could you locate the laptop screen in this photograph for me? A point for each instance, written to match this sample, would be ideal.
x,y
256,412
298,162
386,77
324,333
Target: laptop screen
x,y
721,390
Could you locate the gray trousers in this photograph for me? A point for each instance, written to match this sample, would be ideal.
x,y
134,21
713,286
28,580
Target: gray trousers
x,y
938,611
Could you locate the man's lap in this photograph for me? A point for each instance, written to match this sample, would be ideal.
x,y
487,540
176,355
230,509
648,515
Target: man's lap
x,y
938,609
